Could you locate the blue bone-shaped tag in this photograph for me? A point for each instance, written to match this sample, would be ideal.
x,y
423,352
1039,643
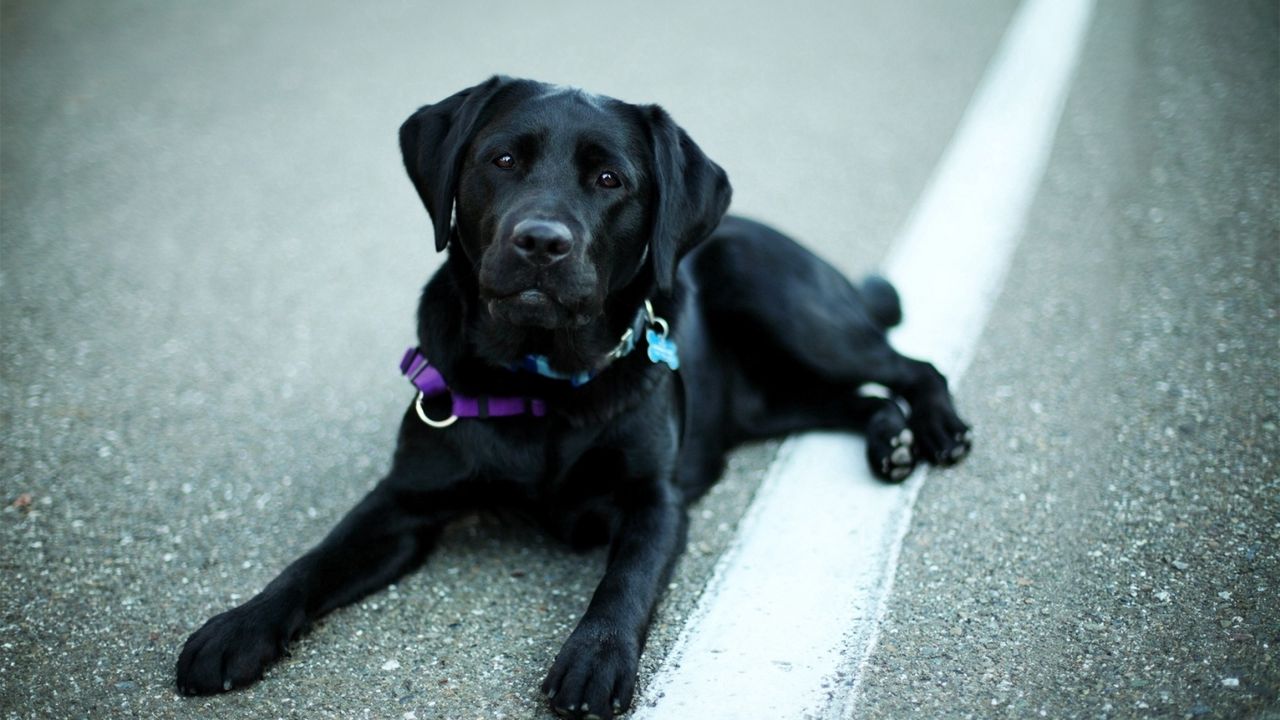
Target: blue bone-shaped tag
x,y
662,349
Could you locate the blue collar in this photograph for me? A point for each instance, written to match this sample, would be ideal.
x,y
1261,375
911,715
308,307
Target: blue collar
x,y
661,350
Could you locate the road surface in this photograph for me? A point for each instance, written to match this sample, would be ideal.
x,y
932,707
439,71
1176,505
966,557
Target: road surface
x,y
210,260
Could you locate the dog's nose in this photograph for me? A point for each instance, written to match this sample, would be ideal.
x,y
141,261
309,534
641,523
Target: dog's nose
x,y
542,241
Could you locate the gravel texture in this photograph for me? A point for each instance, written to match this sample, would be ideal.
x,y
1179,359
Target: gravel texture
x,y
1110,550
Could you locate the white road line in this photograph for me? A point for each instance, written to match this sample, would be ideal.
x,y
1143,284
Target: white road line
x,y
792,613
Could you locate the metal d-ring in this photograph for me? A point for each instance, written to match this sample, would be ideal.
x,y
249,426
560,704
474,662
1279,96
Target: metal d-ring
x,y
417,405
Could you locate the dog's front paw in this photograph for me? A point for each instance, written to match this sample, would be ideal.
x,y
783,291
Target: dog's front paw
x,y
941,436
594,676
233,649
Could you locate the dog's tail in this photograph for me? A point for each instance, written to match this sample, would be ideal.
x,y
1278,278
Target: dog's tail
x,y
882,301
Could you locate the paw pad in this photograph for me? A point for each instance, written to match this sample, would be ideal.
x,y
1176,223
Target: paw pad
x,y
963,443
893,457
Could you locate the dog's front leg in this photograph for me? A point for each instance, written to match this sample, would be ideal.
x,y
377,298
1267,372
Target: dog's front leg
x,y
595,672
389,533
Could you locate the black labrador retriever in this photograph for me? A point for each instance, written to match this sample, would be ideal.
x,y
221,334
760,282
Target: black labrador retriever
x,y
599,336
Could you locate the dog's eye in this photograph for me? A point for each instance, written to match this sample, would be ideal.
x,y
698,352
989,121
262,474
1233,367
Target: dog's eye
x,y
505,161
609,179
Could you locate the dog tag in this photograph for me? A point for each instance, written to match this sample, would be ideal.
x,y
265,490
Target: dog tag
x,y
662,349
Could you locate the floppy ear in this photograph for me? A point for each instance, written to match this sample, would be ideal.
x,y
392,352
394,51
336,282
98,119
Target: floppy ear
x,y
692,195
432,141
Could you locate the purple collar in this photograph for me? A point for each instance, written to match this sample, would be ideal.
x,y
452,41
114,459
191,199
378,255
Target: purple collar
x,y
430,384
414,365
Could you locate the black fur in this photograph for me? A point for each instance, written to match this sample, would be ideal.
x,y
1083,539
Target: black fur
x,y
548,256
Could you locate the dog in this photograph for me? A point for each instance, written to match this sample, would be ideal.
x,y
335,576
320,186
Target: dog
x,y
599,336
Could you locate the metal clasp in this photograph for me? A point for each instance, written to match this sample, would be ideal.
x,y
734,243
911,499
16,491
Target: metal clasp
x,y
654,320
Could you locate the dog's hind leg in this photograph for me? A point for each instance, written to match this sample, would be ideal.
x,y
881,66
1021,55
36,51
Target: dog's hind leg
x,y
779,411
798,323
845,354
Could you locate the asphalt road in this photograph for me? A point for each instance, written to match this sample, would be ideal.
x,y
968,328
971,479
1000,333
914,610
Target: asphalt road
x,y
210,259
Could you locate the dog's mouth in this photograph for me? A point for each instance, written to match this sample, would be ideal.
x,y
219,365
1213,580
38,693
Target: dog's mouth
x,y
534,307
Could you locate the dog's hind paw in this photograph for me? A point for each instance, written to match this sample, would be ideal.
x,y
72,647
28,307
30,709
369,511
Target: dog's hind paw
x,y
963,444
892,456
944,439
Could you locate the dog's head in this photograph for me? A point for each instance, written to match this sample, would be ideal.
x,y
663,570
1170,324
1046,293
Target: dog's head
x,y
559,198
